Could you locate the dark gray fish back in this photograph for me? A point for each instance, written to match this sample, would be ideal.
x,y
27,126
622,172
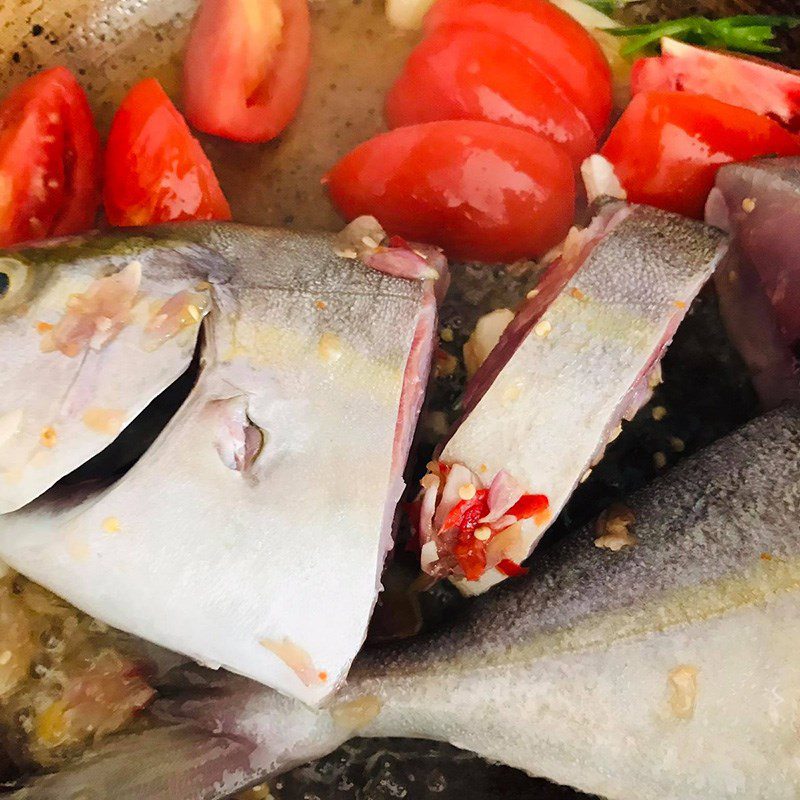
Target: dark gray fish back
x,y
730,510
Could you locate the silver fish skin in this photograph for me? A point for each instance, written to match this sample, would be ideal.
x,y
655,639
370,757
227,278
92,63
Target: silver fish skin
x,y
758,285
253,532
576,361
666,670
82,356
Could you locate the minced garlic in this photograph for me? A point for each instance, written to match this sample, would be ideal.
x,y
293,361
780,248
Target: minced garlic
x,y
542,328
682,685
613,528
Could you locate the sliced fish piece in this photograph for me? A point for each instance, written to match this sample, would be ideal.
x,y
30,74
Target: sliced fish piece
x,y
89,338
666,670
581,355
758,203
252,533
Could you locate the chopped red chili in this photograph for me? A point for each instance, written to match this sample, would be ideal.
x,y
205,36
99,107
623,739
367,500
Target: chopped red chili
x,y
466,514
471,556
511,568
399,241
528,506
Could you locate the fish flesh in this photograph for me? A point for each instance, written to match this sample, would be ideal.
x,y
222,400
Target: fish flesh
x,y
758,284
667,669
84,352
581,355
285,463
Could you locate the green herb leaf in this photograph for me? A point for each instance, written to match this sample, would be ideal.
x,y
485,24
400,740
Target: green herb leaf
x,y
608,7
749,33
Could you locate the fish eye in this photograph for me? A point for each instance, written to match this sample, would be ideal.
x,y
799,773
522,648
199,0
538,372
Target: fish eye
x,y
13,282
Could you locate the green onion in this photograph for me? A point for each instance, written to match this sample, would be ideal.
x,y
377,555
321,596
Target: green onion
x,y
608,7
747,33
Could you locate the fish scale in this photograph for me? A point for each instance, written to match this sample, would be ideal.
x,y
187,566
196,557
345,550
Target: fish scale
x,y
616,673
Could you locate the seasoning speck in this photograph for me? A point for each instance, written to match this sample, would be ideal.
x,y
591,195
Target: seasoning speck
x,y
577,294
445,364
682,685
511,393
678,445
748,205
660,460
111,525
329,347
428,481
483,533
658,413
542,328
447,334
320,305
467,491
353,715
105,421
532,293
48,437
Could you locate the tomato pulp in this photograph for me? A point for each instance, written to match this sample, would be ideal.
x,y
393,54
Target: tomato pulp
x,y
246,67
50,161
666,148
155,170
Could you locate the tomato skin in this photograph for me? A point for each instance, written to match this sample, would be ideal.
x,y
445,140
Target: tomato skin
x,y
245,73
155,170
482,191
666,147
745,81
465,74
49,160
561,46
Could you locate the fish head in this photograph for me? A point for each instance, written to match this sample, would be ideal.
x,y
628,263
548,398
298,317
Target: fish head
x,y
253,531
91,331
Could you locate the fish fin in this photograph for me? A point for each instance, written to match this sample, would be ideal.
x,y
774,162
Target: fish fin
x,y
175,762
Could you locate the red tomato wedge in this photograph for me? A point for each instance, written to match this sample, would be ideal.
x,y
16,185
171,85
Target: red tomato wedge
x,y
465,74
246,67
155,169
561,46
482,191
50,163
666,148
743,81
